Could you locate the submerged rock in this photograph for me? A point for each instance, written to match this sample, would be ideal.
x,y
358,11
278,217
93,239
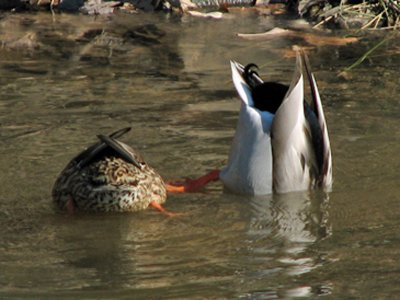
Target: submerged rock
x,y
28,42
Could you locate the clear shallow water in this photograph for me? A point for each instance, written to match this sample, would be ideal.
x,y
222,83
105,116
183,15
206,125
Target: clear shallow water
x,y
67,78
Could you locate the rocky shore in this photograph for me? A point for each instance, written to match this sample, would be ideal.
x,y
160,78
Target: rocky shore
x,y
345,14
352,14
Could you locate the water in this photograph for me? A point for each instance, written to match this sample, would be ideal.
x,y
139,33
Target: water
x,y
67,78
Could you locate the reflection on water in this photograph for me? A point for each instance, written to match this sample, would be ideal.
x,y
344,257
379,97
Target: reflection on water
x,y
67,78
297,217
292,223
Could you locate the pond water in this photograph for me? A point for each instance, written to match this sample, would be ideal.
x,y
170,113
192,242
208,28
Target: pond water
x,y
66,78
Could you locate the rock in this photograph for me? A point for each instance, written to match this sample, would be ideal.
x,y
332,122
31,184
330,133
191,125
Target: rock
x,y
29,42
99,7
70,5
11,4
310,8
210,15
146,5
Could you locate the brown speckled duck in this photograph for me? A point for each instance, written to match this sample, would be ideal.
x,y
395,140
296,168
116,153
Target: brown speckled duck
x,y
109,176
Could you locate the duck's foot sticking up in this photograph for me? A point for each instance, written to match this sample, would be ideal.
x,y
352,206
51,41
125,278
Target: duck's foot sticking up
x,y
70,206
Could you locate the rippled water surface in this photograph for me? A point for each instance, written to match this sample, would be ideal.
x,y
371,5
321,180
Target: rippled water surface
x,y
66,78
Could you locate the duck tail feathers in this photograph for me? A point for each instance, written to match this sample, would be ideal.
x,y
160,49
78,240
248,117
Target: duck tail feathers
x,y
241,86
120,149
325,179
91,153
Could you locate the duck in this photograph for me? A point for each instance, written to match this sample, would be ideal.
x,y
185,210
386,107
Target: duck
x,y
281,143
109,176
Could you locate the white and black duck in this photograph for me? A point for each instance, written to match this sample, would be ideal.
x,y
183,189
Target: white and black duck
x,y
281,142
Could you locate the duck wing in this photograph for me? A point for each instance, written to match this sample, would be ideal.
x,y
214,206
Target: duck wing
x,y
325,176
300,142
294,159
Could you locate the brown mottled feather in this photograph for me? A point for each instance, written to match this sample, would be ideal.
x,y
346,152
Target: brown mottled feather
x,y
109,184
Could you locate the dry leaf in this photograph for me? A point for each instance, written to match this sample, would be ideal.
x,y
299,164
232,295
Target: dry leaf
x,y
275,8
266,35
320,40
270,9
291,52
212,15
345,75
241,9
310,38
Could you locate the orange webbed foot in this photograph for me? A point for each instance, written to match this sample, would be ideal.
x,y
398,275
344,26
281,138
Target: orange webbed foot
x,y
190,185
161,209
70,206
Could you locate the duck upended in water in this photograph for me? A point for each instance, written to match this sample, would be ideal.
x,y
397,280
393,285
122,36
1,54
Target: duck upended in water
x,y
109,176
281,142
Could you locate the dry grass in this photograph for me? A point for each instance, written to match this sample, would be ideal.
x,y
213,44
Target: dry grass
x,y
369,14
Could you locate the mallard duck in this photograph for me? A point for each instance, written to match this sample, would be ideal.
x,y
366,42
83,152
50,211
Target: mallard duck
x,y
281,142
109,176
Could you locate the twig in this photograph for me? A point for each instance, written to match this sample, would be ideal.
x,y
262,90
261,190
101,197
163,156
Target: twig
x,y
382,2
365,55
323,22
376,18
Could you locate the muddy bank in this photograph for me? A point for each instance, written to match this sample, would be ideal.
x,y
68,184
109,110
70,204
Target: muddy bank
x,y
351,14
345,14
109,6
